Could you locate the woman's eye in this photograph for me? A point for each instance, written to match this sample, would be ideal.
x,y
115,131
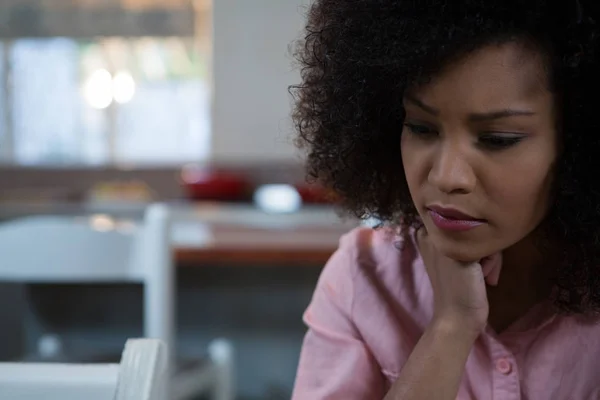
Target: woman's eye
x,y
420,130
499,142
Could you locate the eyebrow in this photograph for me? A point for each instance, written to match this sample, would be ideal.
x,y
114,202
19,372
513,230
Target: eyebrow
x,y
474,117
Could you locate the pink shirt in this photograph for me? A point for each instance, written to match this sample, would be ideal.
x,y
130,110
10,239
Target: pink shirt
x,y
373,302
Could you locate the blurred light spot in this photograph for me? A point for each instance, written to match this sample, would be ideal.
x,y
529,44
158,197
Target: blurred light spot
x,y
192,173
277,198
49,346
123,87
97,90
102,223
371,222
126,226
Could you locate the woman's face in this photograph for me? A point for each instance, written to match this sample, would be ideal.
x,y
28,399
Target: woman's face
x,y
478,148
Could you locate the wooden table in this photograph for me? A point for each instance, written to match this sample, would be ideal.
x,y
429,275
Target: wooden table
x,y
245,236
235,234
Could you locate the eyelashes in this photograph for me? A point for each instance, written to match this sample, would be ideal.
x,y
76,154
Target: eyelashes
x,y
419,130
488,141
495,141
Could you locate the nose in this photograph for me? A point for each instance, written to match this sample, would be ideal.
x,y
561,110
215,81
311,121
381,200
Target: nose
x,y
451,172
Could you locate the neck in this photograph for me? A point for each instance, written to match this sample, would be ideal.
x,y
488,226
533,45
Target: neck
x,y
524,282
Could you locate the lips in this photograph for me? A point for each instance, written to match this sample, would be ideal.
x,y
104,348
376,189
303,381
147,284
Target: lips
x,y
451,213
450,219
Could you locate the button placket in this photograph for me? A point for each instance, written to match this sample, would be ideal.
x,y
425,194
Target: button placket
x,y
505,371
504,366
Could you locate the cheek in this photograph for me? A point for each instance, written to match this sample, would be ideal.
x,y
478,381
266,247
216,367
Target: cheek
x,y
404,149
523,200
523,182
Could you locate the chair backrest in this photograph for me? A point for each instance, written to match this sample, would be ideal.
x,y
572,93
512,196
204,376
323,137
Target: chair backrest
x,y
141,375
84,249
60,249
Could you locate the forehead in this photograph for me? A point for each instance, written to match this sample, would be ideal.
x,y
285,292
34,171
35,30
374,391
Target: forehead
x,y
495,76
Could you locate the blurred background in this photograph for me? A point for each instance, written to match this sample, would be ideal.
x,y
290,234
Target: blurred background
x,y
108,106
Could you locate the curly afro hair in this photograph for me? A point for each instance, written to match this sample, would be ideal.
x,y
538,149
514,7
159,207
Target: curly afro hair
x,y
358,57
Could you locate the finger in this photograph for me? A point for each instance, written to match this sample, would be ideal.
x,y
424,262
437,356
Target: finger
x,y
491,267
421,237
424,248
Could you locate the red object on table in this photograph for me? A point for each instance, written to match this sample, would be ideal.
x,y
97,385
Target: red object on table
x,y
213,184
313,193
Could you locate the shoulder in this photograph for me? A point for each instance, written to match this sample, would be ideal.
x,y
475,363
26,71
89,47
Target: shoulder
x,y
378,283
379,251
370,262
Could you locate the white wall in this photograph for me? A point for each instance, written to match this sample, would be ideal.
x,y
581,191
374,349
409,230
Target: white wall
x,y
252,68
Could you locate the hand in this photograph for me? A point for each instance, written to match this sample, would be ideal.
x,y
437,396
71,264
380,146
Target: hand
x,y
460,297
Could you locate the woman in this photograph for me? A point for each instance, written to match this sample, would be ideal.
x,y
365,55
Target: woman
x,y
470,129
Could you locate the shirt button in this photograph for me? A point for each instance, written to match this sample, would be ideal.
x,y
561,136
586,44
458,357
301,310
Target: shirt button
x,y
504,366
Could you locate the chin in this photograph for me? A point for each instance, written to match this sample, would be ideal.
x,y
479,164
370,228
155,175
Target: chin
x,y
464,256
463,251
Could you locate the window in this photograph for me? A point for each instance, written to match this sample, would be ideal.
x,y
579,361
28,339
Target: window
x,y
139,94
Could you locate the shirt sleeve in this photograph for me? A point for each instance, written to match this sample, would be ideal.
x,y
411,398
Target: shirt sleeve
x,y
335,364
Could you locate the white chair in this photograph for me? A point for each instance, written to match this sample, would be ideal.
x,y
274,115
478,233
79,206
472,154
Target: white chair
x,y
141,375
100,249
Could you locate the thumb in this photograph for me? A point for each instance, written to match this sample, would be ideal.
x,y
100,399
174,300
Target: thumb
x,y
491,267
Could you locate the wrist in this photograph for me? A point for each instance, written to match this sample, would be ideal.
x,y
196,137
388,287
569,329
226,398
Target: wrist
x,y
455,331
